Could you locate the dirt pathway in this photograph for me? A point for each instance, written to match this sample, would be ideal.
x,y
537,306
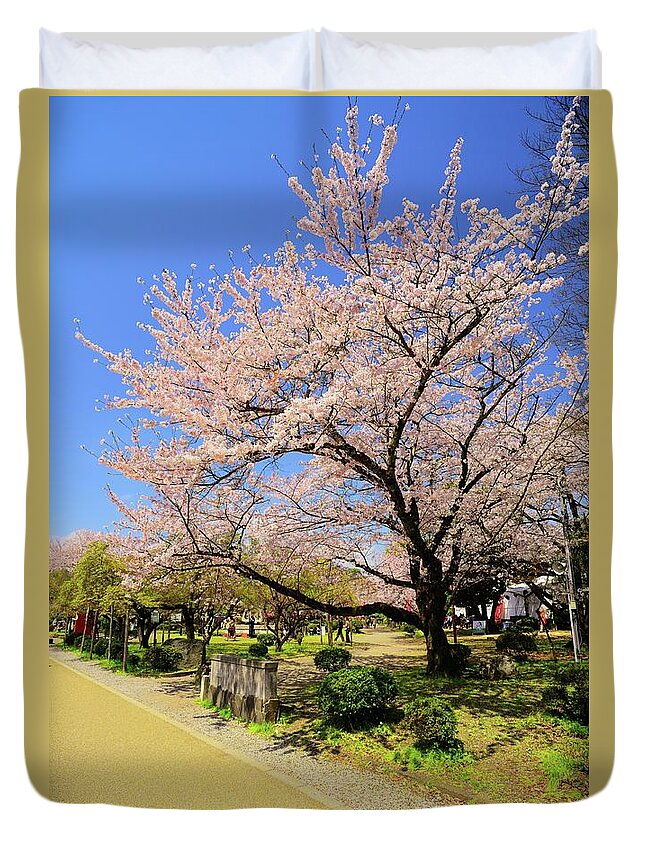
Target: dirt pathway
x,y
105,748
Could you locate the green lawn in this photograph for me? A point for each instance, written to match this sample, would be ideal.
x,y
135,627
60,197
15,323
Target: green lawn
x,y
222,645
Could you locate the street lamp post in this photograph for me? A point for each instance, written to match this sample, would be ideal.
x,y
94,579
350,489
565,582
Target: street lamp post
x,y
571,584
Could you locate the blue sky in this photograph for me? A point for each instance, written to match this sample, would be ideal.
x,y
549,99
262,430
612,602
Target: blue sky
x,y
142,183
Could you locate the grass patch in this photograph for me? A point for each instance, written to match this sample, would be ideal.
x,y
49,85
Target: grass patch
x,y
557,767
264,729
433,761
240,646
224,713
116,664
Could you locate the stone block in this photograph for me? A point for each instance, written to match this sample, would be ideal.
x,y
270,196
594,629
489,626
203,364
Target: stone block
x,y
192,651
498,667
204,690
247,686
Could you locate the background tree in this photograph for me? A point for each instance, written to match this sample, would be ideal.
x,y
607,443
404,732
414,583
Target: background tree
x,y
66,551
301,567
64,554
62,596
96,571
204,594
572,299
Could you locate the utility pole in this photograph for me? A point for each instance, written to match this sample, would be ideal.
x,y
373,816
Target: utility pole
x,y
571,584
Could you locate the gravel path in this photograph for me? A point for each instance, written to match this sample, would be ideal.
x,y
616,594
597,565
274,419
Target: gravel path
x,y
337,785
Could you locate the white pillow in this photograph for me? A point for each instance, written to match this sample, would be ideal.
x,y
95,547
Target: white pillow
x,y
564,62
285,62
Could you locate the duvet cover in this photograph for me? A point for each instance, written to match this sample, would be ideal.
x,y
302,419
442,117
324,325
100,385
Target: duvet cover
x,y
319,496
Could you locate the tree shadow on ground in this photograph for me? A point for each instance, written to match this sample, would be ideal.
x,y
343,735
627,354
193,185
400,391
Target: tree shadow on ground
x,y
180,687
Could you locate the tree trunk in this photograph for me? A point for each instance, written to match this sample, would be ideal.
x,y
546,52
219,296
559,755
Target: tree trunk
x,y
95,631
433,607
144,625
439,657
189,621
126,630
277,633
109,646
87,617
145,630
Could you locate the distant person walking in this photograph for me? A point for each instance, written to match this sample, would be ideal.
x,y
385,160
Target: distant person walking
x,y
348,632
232,632
339,630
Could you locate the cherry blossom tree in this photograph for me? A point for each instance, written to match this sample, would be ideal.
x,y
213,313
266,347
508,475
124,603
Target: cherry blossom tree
x,y
66,551
386,398
572,299
64,554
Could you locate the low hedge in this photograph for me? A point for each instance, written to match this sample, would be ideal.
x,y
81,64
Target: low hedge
x,y
517,643
332,658
568,696
433,723
357,696
258,650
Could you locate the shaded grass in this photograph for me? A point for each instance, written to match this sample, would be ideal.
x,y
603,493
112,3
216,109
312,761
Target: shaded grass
x,y
224,713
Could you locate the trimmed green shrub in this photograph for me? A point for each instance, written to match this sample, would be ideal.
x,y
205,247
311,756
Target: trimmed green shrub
x,y
258,650
433,723
265,639
568,696
100,647
116,650
356,696
70,639
160,659
133,661
78,639
526,625
332,658
516,643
